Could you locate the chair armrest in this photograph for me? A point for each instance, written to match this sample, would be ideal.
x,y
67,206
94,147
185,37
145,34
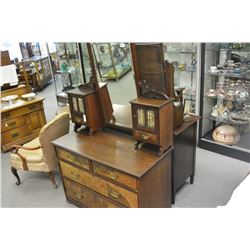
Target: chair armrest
x,y
16,147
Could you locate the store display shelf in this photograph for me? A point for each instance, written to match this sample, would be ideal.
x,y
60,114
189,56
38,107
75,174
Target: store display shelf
x,y
245,75
181,52
112,75
243,145
240,123
239,100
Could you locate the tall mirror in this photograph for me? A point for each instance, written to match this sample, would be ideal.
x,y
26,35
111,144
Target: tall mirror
x,y
114,66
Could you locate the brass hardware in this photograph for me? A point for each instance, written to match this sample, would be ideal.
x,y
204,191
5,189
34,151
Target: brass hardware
x,y
5,115
114,194
111,176
15,135
32,107
144,137
74,176
72,158
11,124
78,195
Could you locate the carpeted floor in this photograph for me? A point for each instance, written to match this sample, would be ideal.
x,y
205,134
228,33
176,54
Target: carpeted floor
x,y
216,176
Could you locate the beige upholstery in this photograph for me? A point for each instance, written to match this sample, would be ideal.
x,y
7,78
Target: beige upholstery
x,y
43,159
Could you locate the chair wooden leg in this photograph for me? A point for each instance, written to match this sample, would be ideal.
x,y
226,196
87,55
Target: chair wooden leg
x,y
52,178
14,172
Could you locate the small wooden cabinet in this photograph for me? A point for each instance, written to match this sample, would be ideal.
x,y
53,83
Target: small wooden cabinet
x,y
104,170
85,108
21,123
153,122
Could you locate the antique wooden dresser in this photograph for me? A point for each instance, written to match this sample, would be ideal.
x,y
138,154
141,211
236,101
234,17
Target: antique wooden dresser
x,y
22,123
104,170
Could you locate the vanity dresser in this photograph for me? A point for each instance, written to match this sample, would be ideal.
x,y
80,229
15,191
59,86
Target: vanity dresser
x,y
104,170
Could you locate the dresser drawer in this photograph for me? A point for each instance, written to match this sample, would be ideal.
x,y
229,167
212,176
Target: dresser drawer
x,y
146,137
23,110
79,161
114,175
114,192
12,123
86,197
14,134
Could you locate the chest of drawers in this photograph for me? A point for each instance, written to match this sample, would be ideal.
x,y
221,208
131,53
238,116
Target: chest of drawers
x,y
104,170
21,123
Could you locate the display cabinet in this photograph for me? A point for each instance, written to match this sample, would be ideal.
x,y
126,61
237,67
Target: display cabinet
x,y
186,60
113,59
225,99
37,67
71,68
67,66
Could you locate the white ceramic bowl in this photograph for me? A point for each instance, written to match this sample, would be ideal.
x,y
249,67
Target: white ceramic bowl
x,y
29,96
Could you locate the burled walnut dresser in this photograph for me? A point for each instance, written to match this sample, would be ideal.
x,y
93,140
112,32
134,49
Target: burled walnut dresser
x,y
104,170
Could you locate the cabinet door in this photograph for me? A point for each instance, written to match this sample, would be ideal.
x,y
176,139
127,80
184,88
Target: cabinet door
x,y
145,118
77,107
150,119
35,121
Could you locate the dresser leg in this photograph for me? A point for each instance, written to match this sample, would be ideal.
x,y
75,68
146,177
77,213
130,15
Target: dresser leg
x,y
14,172
191,179
91,131
77,126
173,198
136,144
113,119
52,178
160,152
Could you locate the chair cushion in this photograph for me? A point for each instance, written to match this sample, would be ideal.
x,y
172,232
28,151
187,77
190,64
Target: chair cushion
x,y
30,155
34,157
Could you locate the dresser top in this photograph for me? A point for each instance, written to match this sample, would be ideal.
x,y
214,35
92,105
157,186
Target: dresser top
x,y
25,103
152,102
112,149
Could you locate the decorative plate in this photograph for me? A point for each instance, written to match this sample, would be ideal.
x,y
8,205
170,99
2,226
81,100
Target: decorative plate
x,y
9,98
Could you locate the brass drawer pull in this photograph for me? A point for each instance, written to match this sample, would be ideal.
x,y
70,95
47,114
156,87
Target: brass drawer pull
x,y
111,176
73,159
15,135
114,194
6,115
32,107
144,137
78,195
11,124
74,176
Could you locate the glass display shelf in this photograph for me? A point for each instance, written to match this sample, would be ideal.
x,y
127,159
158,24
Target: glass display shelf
x,y
185,59
244,75
221,120
113,59
71,68
225,99
239,100
243,145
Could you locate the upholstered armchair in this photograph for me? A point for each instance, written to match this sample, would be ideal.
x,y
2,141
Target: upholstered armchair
x,y
39,154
